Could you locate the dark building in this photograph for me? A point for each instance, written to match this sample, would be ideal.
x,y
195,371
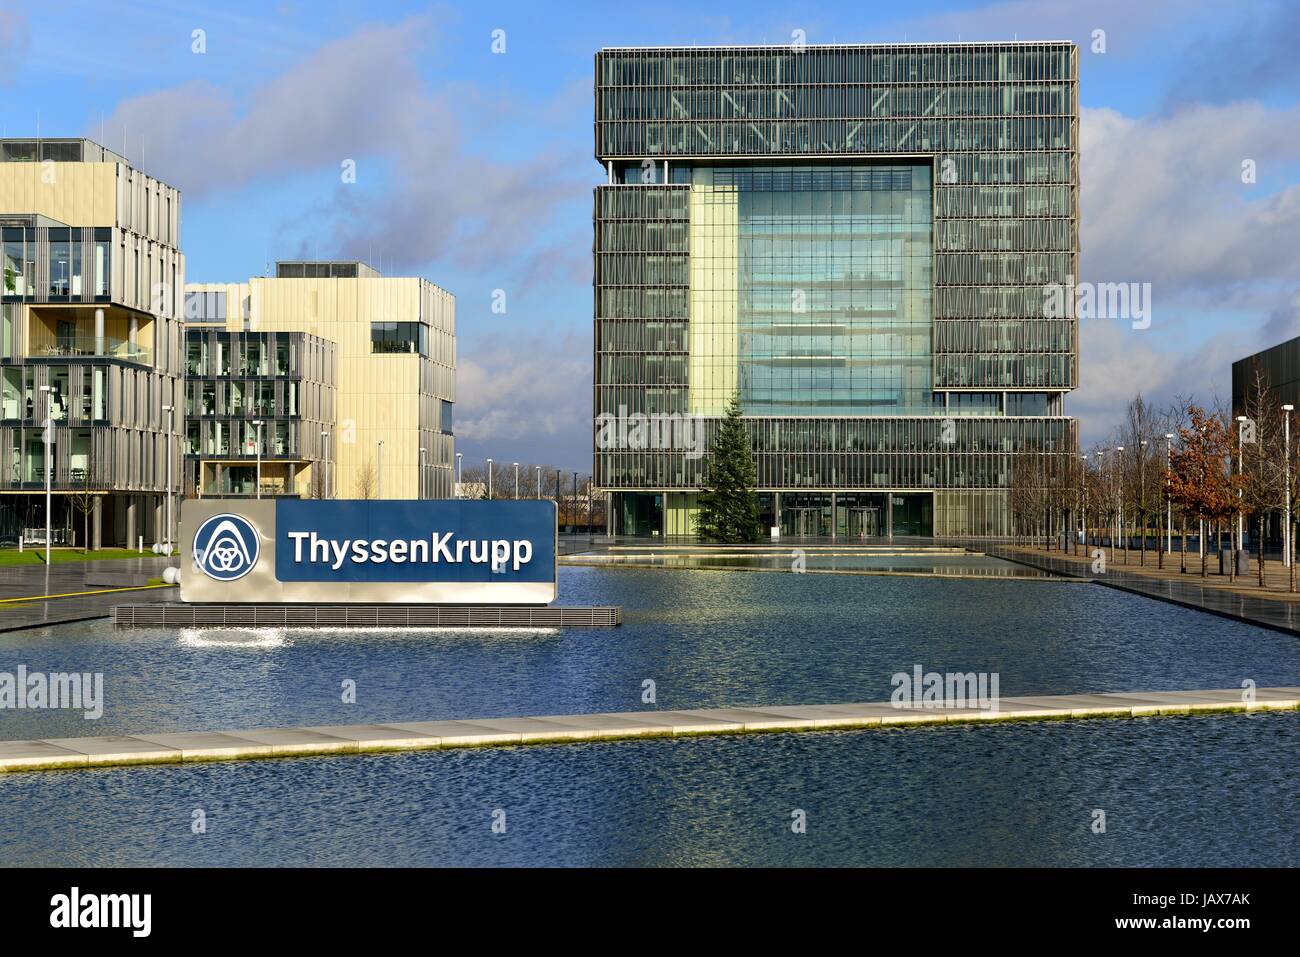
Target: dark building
x,y
1276,369
854,240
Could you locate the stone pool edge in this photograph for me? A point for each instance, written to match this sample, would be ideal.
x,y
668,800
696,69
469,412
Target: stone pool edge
x,y
193,747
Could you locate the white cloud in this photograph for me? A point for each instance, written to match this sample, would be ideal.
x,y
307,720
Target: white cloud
x,y
529,395
361,98
1163,201
15,40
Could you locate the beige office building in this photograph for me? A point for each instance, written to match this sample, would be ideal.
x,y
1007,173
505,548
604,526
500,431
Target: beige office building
x,y
91,339
381,389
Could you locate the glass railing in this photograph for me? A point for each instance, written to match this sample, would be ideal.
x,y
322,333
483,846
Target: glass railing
x,y
90,346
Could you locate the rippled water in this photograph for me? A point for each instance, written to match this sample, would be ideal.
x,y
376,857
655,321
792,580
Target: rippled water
x,y
1213,790
706,638
818,560
1204,790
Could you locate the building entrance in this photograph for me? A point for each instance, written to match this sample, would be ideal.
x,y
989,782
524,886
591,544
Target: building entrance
x,y
864,522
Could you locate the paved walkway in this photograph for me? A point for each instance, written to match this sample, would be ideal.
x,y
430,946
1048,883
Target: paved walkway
x,y
1245,601
86,590
478,732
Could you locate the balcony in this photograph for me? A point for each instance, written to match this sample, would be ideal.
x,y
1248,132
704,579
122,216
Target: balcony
x,y
65,347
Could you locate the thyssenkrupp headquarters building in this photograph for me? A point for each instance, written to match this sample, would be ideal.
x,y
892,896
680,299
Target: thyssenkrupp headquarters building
x,y
855,240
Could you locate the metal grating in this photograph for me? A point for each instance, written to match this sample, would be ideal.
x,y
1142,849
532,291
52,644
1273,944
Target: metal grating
x,y
171,614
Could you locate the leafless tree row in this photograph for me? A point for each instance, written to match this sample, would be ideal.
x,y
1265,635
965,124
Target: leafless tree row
x,y
1165,475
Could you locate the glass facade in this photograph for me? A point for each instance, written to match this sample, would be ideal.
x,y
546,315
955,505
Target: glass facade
x,y
235,380
855,240
833,268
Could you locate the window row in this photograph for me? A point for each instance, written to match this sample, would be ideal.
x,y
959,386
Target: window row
x,y
391,337
978,335
848,471
832,136
972,235
1006,371
622,335
799,63
990,269
1005,302
855,101
72,264
985,201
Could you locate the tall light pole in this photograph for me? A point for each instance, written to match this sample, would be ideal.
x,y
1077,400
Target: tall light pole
x,y
168,409
325,460
1142,495
48,438
459,456
539,481
1101,493
1119,498
489,479
1286,529
1083,503
258,424
1241,517
1169,502
422,471
379,469
516,465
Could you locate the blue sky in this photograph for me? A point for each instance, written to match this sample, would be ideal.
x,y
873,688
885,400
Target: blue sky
x,y
475,169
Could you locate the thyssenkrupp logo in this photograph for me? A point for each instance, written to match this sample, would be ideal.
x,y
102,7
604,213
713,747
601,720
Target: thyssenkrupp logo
x,y
226,547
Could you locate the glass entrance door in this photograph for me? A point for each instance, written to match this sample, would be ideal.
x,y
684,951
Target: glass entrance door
x,y
807,521
864,522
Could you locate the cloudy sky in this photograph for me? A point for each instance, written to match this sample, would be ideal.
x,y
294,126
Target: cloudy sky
x,y
475,168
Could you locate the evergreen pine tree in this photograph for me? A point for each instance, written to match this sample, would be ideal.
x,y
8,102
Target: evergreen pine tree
x,y
728,504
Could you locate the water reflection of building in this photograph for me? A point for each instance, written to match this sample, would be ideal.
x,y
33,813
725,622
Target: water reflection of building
x,y
90,338
856,240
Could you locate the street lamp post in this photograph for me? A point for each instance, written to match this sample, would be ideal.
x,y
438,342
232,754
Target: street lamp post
x,y
1169,502
1119,499
1083,503
379,469
258,424
1286,529
489,479
459,456
325,460
1101,493
1142,496
422,471
539,481
516,465
168,409
48,438
1241,515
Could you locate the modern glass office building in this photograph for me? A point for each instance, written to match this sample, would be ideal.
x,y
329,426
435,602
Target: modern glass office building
x,y
321,347
259,407
855,241
91,342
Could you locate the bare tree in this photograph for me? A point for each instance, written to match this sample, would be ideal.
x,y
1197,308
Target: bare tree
x,y
364,487
83,500
1262,463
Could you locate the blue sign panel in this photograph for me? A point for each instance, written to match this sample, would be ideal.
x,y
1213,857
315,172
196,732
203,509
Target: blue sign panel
x,y
443,540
